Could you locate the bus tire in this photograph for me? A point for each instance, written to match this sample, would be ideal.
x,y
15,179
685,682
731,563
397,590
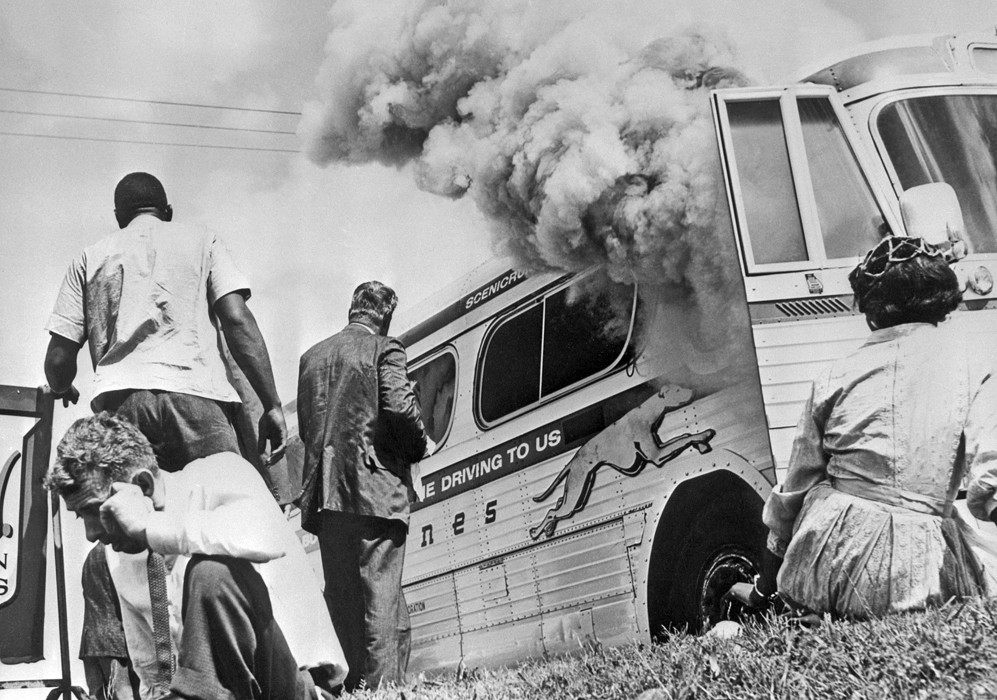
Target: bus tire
x,y
710,561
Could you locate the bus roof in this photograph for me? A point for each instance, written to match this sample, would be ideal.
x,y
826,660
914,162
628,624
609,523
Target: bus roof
x,y
908,55
461,299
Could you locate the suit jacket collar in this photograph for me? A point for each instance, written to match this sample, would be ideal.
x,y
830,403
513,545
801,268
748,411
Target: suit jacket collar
x,y
355,326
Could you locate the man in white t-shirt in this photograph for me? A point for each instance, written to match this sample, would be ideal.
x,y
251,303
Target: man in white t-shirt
x,y
150,300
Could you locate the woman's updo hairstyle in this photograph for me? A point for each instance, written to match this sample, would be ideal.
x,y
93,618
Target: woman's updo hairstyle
x,y
905,280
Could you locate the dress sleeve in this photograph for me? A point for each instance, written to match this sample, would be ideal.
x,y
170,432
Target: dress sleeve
x,y
981,450
68,318
807,468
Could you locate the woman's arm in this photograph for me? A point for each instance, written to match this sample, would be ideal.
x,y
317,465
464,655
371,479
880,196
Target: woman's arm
x,y
981,451
807,468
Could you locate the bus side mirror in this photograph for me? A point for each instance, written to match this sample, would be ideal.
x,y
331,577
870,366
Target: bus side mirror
x,y
932,212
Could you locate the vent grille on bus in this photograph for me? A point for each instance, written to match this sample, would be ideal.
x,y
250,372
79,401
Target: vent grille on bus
x,y
813,307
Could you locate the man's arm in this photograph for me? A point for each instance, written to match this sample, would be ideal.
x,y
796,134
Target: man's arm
x,y
67,332
60,368
227,514
250,352
980,435
304,404
398,405
242,526
307,415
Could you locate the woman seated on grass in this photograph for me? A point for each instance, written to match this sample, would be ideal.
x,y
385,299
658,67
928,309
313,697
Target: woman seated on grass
x,y
863,524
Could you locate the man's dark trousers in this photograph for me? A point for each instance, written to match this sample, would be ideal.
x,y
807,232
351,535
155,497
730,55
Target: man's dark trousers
x,y
180,427
231,647
362,560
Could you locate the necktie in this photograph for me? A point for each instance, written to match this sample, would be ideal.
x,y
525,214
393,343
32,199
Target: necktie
x,y
156,568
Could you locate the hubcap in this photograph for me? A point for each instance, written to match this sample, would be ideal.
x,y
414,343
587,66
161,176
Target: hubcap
x,y
727,567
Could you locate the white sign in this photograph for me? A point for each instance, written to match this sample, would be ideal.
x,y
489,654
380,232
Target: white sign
x,y
10,525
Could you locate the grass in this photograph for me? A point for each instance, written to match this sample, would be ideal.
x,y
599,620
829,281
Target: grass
x,y
950,652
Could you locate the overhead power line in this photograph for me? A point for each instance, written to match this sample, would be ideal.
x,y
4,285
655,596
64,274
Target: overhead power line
x,y
145,143
141,121
151,102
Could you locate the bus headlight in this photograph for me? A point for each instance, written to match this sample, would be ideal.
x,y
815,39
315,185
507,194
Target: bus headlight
x,y
981,281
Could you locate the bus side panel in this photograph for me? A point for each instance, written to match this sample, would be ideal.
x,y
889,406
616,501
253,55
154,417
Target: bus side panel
x,y
436,641
475,535
790,355
586,588
504,579
499,611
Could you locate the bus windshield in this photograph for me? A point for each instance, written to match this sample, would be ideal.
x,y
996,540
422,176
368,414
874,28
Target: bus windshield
x,y
949,138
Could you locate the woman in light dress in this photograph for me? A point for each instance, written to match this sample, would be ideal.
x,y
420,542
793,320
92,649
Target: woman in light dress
x,y
864,524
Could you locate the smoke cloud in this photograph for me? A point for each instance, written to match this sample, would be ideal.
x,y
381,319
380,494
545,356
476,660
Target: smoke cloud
x,y
581,146
581,129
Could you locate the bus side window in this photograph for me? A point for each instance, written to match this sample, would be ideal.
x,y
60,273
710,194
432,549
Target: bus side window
x,y
848,214
575,334
510,365
585,331
775,229
435,384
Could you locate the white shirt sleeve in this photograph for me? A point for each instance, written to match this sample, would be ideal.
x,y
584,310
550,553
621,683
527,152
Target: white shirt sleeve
x,y
225,510
223,275
68,318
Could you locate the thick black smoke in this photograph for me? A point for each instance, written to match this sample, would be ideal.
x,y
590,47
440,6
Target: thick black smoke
x,y
580,150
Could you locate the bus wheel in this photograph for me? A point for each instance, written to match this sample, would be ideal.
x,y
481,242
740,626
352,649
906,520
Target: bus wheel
x,y
708,565
730,564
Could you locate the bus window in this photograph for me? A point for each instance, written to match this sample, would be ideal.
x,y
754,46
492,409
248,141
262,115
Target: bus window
x,y
848,215
774,227
572,335
435,384
583,335
510,366
949,138
985,59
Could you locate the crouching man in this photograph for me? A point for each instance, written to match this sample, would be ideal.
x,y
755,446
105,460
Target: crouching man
x,y
203,564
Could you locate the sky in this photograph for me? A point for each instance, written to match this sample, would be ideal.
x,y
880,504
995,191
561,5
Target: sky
x,y
304,235
209,96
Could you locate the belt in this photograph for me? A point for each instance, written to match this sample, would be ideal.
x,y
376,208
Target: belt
x,y
891,495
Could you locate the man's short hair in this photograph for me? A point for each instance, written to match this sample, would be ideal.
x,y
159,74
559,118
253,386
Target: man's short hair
x,y
372,303
138,191
105,447
921,289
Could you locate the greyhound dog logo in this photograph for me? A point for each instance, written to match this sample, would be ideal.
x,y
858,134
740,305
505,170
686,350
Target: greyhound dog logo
x,y
578,487
579,481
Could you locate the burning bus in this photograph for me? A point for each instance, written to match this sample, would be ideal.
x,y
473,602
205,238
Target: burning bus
x,y
604,444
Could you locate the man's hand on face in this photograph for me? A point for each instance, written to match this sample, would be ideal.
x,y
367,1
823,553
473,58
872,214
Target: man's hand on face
x,y
125,515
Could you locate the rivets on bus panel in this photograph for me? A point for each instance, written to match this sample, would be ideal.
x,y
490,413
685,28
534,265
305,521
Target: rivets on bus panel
x,y
981,281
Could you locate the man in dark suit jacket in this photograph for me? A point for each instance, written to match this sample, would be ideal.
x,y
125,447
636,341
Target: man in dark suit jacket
x,y
359,420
